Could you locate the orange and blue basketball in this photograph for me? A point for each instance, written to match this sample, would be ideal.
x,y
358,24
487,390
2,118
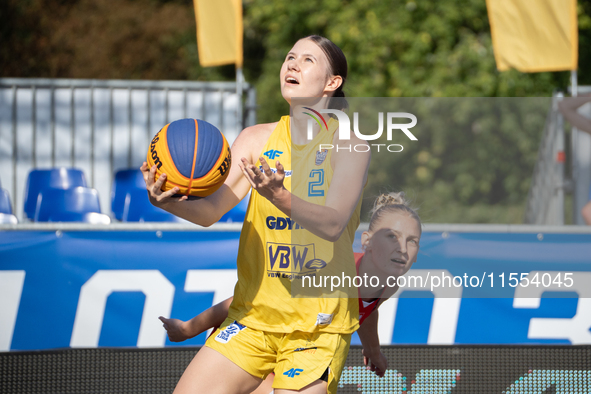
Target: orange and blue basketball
x,y
194,155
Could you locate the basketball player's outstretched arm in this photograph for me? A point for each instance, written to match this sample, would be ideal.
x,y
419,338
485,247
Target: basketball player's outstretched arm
x,y
326,221
179,330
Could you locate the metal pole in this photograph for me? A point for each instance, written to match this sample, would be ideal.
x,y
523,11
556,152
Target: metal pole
x,y
202,107
559,159
221,111
34,121
111,132
239,92
149,120
14,147
92,135
574,83
185,103
574,144
52,121
72,132
166,106
252,107
130,130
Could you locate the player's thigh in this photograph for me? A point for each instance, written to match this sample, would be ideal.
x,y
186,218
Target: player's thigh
x,y
212,373
266,387
317,387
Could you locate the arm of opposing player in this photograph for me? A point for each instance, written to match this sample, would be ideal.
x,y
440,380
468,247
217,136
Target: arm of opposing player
x,y
179,330
372,355
205,211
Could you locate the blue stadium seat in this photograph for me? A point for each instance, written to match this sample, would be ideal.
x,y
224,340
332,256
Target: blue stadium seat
x,y
79,204
137,208
6,215
130,203
237,213
129,200
5,206
53,178
124,182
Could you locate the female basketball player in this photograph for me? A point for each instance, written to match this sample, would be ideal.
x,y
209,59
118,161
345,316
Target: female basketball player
x,y
265,325
391,245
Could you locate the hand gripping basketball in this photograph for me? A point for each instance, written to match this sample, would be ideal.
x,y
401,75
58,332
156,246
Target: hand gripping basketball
x,y
154,187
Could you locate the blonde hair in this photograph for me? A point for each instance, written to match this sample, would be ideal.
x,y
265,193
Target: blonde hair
x,y
390,203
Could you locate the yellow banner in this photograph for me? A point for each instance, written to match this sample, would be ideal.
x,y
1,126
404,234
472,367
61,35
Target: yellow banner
x,y
219,32
534,35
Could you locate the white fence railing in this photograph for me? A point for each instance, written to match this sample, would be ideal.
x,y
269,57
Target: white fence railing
x,y
545,201
101,126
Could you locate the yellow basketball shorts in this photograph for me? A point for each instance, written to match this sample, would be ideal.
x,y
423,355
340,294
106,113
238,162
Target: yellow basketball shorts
x,y
297,358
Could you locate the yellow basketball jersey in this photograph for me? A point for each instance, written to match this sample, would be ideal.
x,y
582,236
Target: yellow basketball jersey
x,y
276,254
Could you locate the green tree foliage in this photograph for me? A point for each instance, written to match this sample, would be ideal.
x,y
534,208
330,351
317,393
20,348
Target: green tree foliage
x,y
420,49
476,173
399,48
127,39
394,48
472,154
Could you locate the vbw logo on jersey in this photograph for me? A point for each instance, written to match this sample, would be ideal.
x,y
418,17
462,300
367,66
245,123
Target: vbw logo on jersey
x,y
272,154
315,264
279,223
292,261
293,372
227,333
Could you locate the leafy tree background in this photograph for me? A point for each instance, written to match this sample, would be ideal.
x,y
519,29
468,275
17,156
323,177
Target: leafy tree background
x,y
398,48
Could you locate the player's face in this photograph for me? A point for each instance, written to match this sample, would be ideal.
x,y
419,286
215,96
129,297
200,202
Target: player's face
x,y
305,72
395,244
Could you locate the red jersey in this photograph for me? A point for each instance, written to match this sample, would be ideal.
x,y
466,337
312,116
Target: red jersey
x,y
365,308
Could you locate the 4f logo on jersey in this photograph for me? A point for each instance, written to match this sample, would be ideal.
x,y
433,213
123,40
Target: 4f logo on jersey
x,y
289,261
272,154
293,372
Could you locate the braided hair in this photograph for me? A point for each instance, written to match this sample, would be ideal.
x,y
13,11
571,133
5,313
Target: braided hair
x,y
390,203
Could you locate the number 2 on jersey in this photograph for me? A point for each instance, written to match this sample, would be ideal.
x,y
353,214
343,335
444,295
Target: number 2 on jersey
x,y
315,185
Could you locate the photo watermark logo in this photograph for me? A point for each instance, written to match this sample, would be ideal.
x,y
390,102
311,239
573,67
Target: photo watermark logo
x,y
345,129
